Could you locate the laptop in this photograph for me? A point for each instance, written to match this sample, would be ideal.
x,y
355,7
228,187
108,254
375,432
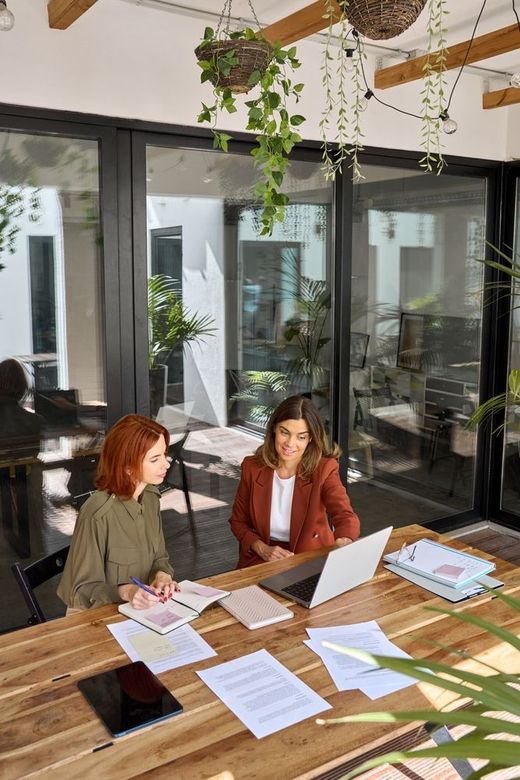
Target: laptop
x,y
321,579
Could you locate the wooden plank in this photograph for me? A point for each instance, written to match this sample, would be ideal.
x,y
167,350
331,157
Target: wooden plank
x,y
501,97
300,24
484,46
63,13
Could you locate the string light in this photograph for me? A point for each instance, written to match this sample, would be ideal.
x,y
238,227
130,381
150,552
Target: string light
x,y
448,125
6,17
362,103
349,54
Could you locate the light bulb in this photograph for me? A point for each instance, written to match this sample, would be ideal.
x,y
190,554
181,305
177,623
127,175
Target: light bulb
x,y
362,103
6,17
515,80
448,125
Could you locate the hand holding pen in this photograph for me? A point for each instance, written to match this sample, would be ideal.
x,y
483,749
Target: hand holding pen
x,y
161,589
145,596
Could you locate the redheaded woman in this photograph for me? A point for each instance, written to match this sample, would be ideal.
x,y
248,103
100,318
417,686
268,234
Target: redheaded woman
x,y
118,534
290,497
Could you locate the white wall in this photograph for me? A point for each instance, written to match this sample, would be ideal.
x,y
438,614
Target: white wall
x,y
132,61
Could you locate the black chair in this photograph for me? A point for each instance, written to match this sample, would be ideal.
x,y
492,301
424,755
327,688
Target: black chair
x,y
175,453
29,577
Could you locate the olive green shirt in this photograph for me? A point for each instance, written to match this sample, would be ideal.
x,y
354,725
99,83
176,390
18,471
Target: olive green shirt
x,y
113,540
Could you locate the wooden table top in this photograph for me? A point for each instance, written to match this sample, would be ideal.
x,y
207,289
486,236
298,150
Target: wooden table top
x,y
48,729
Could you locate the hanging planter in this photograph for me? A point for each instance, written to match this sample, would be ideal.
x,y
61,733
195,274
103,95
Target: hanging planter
x,y
251,56
239,61
380,20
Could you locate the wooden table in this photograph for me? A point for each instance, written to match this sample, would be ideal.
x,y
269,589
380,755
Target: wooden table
x,y
48,729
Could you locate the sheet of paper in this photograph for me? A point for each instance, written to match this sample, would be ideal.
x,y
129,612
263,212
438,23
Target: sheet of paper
x,y
349,673
262,693
161,652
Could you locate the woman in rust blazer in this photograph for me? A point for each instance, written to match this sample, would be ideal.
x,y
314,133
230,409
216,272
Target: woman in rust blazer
x,y
290,492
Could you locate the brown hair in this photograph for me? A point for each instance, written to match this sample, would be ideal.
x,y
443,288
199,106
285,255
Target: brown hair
x,y
121,459
298,408
13,380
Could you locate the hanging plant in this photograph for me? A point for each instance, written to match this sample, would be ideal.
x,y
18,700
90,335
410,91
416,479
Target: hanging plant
x,y
235,63
345,97
434,89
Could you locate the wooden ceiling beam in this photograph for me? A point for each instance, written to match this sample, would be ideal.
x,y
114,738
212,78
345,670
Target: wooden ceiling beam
x,y
501,97
63,13
300,24
484,46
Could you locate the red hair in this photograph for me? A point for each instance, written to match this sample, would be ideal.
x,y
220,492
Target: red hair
x,y
121,459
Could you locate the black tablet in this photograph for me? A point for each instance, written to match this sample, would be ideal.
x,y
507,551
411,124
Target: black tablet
x,y
128,698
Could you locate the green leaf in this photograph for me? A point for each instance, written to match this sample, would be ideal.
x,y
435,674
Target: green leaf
x,y
297,119
209,34
254,78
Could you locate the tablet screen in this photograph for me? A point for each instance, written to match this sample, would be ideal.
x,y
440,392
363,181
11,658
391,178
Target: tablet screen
x,y
129,698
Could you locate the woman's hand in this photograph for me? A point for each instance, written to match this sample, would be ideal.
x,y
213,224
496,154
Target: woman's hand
x,y
268,553
342,541
139,598
164,584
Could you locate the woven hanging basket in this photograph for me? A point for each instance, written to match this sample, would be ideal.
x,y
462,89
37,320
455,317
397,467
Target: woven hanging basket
x,y
381,19
251,55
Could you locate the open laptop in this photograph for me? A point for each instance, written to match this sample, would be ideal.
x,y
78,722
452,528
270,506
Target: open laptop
x,y
321,579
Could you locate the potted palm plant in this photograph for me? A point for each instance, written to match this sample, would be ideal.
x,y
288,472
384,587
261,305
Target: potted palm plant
x,y
171,324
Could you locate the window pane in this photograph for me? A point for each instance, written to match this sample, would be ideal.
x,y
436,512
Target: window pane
x,y
52,409
511,459
415,350
237,322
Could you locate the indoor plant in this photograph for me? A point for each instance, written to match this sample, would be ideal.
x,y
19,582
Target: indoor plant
x,y
267,112
171,324
493,695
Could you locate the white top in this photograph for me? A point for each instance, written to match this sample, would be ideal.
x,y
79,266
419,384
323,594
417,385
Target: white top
x,y
281,505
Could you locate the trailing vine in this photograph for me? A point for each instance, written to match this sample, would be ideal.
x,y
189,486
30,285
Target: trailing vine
x,y
344,97
433,94
268,114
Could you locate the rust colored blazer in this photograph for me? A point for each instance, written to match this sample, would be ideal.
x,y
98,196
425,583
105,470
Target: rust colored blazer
x,y
313,499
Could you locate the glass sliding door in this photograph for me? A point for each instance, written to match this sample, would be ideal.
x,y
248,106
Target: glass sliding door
x,y
236,323
511,452
52,376
415,343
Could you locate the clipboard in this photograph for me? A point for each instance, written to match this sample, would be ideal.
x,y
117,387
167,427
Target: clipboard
x,y
446,591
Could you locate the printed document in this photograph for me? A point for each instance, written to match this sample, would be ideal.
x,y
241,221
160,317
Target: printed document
x,y
349,673
262,693
160,652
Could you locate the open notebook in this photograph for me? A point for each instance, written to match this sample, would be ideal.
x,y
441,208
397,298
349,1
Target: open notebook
x,y
186,605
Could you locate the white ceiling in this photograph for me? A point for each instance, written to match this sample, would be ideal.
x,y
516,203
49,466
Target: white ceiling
x,y
460,21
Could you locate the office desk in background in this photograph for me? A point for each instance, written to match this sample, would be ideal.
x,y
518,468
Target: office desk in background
x,y
47,728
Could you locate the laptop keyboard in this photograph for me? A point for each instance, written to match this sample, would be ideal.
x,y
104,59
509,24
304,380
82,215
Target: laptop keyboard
x,y
304,589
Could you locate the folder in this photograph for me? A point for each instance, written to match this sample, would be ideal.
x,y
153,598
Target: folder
x,y
440,563
454,595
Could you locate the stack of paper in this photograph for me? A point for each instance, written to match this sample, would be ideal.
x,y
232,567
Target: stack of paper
x,y
348,673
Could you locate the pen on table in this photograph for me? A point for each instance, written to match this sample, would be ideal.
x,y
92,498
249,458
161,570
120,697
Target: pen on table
x,y
144,587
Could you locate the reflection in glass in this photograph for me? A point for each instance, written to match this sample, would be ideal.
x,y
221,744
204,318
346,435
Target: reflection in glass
x,y
51,324
260,311
511,455
416,302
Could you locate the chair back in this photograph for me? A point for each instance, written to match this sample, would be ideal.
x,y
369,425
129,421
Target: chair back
x,y
175,453
29,577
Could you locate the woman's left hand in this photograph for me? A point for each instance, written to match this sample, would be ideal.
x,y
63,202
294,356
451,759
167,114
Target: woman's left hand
x,y
164,583
342,541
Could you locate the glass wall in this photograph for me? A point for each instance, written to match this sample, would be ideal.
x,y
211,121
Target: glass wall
x,y
236,323
415,343
511,452
52,387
